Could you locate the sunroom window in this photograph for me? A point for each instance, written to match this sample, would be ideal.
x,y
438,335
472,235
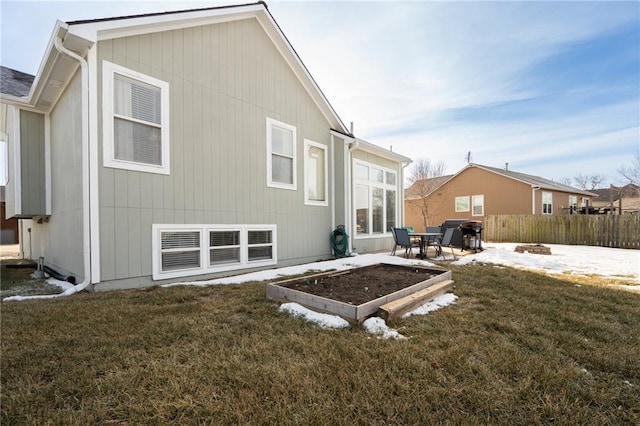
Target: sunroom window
x,y
375,199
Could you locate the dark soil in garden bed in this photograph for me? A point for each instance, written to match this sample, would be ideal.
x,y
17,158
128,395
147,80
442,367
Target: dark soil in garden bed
x,y
361,285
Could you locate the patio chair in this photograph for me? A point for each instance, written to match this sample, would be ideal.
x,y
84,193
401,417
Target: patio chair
x,y
435,242
402,239
395,241
446,241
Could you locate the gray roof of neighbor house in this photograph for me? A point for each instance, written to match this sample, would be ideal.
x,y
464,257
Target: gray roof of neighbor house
x,y
14,82
606,194
535,180
414,191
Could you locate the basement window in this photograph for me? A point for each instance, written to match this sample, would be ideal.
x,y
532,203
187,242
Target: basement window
x,y
184,250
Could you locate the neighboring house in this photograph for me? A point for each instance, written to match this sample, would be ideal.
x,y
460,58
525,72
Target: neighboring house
x,y
625,199
477,191
161,146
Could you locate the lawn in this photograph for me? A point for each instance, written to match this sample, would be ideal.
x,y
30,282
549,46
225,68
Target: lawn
x,y
517,348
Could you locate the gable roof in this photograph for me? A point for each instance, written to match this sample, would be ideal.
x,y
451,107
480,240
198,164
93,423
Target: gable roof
x,y
413,191
629,190
14,82
79,36
534,181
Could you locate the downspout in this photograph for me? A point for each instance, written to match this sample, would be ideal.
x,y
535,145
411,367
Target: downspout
x,y
352,147
533,199
401,181
86,226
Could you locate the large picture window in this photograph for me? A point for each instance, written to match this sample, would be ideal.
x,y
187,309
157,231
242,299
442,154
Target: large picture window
x,y
375,199
135,120
183,250
281,155
315,167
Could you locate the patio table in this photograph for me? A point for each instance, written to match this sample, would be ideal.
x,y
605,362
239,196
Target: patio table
x,y
425,239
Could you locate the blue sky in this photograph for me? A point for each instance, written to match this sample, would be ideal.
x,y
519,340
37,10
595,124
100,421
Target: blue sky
x,y
552,88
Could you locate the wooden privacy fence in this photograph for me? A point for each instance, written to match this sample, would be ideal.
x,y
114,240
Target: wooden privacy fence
x,y
577,229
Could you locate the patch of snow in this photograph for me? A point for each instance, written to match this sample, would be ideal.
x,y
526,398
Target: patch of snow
x,y
579,260
68,288
323,320
437,303
378,326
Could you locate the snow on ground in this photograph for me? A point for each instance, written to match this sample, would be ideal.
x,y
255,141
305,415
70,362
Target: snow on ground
x,y
68,289
578,260
323,320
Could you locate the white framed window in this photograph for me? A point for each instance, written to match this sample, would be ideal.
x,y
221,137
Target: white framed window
x,y
477,203
135,120
281,155
573,201
547,203
184,250
315,169
180,250
375,199
462,204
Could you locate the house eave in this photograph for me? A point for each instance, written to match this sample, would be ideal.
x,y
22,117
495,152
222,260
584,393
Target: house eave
x,y
99,30
382,152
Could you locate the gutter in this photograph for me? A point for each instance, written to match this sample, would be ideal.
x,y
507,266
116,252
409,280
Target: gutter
x,y
86,224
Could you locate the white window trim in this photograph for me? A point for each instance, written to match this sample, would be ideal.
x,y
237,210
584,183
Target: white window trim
x,y
109,160
293,186
473,198
543,203
371,184
205,268
307,201
456,204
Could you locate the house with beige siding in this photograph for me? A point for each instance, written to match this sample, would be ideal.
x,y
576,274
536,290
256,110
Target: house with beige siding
x,y
152,148
477,191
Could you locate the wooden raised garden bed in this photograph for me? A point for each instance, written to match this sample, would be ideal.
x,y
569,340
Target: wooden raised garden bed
x,y
357,293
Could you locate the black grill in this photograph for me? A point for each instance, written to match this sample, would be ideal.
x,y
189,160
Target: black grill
x,y
471,235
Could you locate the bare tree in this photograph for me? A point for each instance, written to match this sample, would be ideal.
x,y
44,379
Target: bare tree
x,y
588,182
566,181
422,183
632,172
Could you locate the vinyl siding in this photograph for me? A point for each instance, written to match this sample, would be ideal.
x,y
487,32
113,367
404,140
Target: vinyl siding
x,y
32,163
60,239
225,80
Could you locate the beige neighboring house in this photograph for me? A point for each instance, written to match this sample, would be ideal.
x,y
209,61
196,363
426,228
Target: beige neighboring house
x,y
477,191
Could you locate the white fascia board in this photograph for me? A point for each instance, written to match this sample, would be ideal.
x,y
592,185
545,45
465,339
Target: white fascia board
x,y
125,27
49,59
381,152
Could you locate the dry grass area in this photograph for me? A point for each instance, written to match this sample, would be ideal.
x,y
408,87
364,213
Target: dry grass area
x,y
517,348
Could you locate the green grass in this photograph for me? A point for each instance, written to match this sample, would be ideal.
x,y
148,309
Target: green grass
x,y
517,348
